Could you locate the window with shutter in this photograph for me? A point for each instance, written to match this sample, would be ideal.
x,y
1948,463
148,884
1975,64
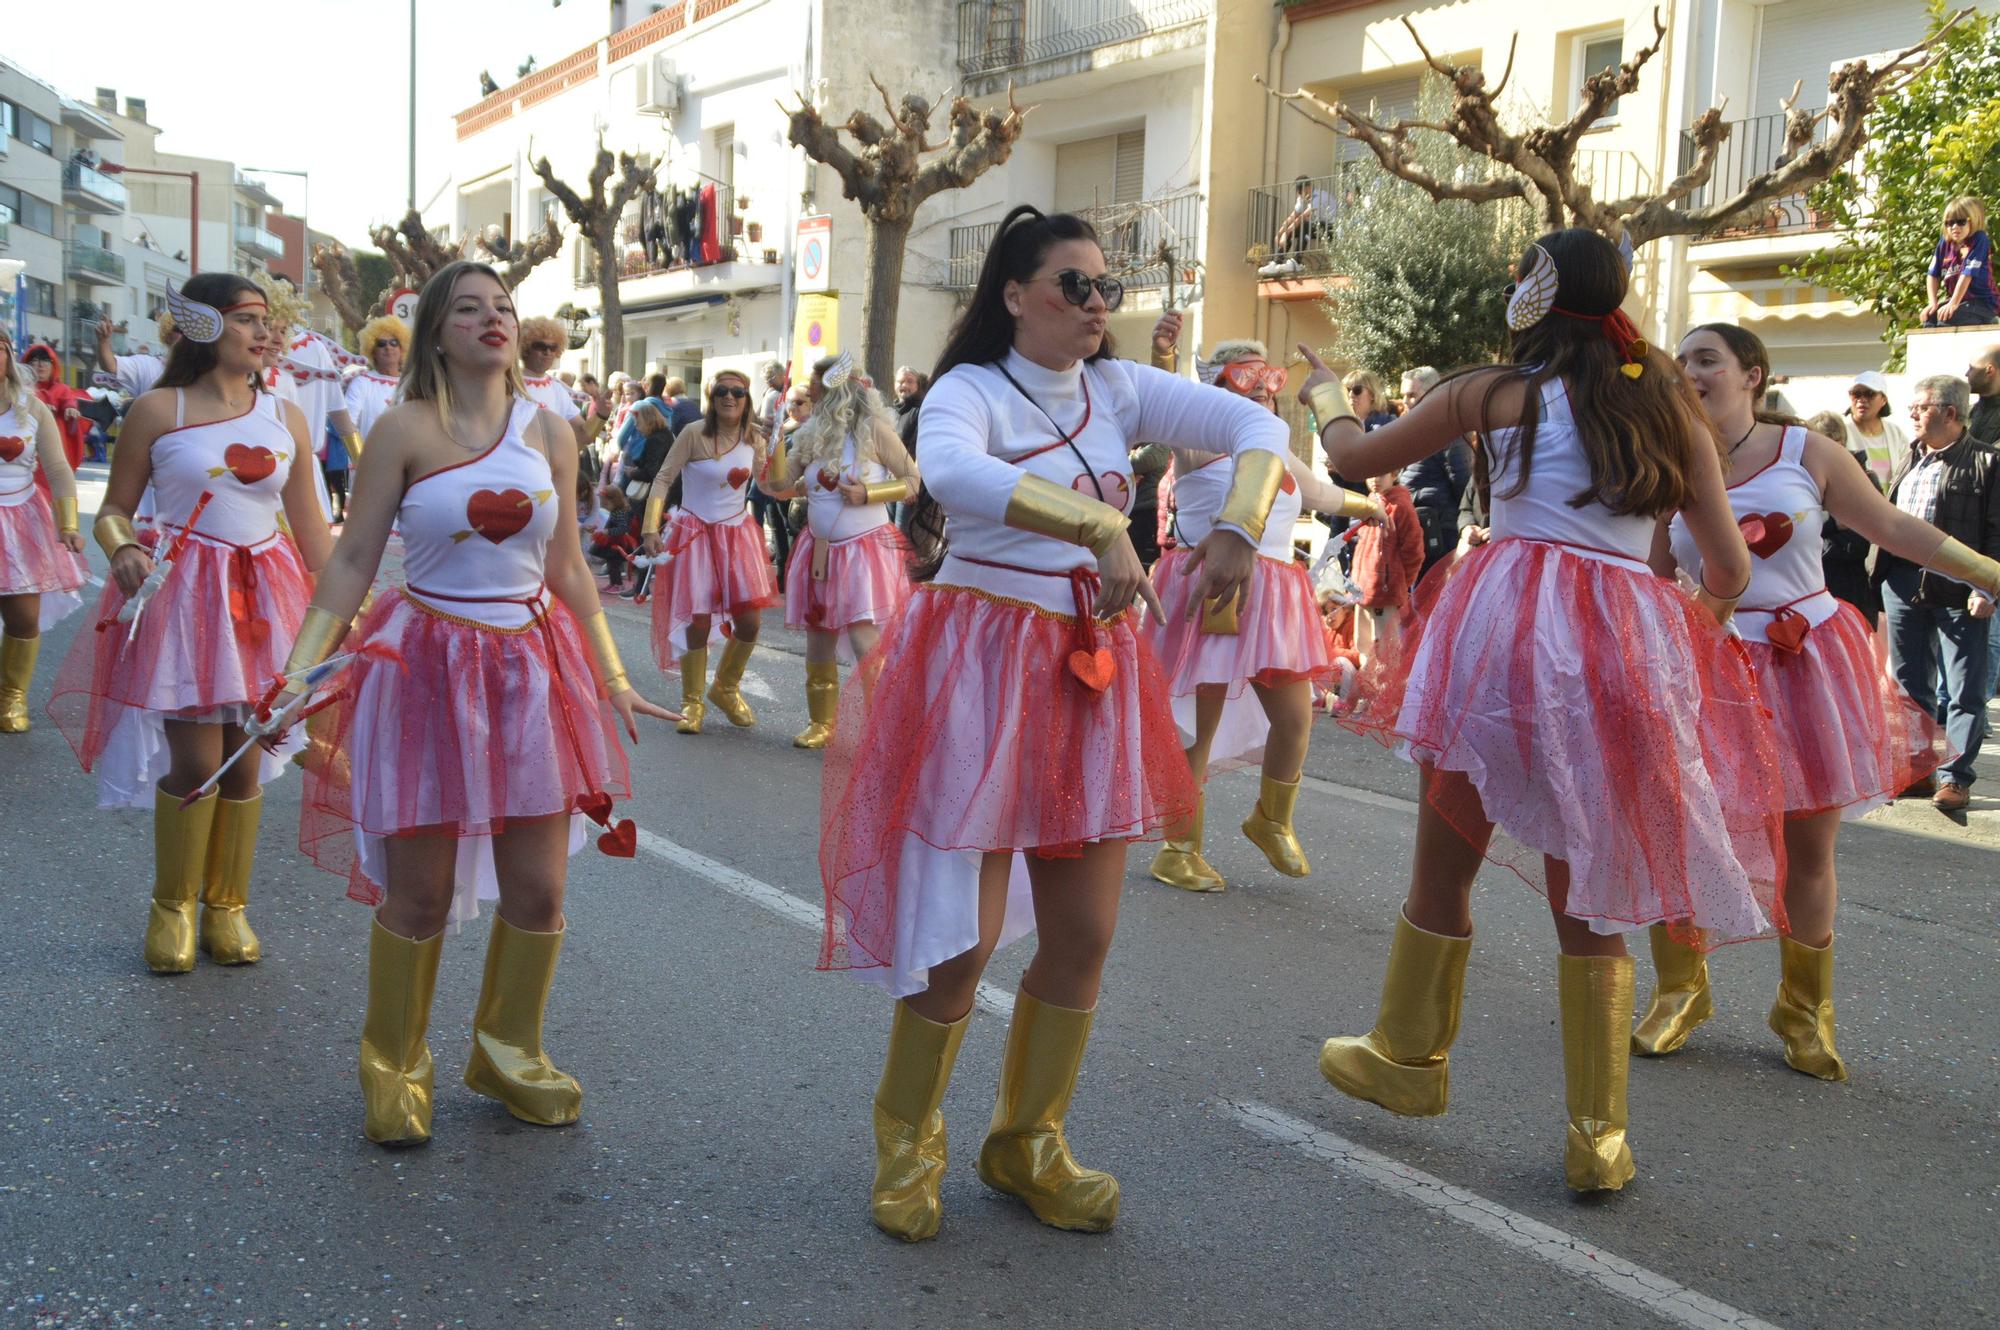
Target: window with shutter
x,y
1130,172
1086,173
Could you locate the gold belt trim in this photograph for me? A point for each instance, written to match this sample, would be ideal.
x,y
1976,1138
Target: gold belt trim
x,y
1013,604
425,607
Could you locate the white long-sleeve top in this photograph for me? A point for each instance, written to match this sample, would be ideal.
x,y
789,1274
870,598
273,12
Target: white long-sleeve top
x,y
978,435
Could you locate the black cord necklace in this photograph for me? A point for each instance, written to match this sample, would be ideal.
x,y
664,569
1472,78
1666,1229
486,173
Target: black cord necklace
x,y
1754,422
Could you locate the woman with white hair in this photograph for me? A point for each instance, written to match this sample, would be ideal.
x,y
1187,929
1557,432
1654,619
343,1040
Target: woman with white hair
x,y
849,571
39,542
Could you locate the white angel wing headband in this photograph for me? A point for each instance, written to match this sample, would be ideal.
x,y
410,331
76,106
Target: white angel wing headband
x,y
836,373
1535,294
197,322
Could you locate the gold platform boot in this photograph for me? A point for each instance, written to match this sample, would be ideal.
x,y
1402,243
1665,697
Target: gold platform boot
x,y
180,861
1179,862
395,1060
507,1061
1596,997
1025,1154
909,1130
232,849
1404,1063
725,692
17,671
1269,827
1681,999
822,703
694,678
1803,1014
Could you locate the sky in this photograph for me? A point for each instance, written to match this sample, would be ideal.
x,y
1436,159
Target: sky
x,y
302,85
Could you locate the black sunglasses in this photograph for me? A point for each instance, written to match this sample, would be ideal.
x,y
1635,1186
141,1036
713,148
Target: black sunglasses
x,y
1076,286
543,348
729,392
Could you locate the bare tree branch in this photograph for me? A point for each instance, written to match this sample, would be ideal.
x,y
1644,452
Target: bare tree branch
x,y
342,284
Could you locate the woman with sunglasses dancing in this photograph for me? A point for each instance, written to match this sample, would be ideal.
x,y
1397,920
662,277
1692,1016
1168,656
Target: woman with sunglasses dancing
x,y
715,563
1552,687
40,573
1012,733
1242,683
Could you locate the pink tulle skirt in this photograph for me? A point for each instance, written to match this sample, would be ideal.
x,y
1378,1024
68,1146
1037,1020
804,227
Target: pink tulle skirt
x,y
716,568
867,580
1849,738
208,644
969,732
1597,716
464,729
34,562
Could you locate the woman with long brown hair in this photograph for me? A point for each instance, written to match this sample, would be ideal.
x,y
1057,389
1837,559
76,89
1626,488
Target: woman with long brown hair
x,y
40,572
474,742
1553,688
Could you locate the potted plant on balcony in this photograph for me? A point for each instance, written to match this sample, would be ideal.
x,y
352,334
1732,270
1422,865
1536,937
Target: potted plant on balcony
x,y
756,230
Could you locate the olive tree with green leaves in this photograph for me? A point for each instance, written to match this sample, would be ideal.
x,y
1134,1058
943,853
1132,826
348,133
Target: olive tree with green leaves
x,y
1930,141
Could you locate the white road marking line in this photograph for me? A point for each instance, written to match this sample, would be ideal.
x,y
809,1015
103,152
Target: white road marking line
x,y
754,685
1605,1270
781,903
1614,1274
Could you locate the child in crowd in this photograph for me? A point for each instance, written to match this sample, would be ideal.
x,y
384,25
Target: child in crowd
x,y
1387,558
614,542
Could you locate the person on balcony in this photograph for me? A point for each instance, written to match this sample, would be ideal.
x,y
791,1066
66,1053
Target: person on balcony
x,y
1311,216
1962,268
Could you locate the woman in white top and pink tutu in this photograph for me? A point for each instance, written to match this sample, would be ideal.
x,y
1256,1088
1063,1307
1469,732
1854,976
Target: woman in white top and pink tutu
x,y
711,561
850,567
1849,738
154,706
1011,733
474,739
1242,684
1555,689
40,572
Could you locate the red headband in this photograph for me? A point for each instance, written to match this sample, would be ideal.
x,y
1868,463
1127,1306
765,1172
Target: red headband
x,y
1620,332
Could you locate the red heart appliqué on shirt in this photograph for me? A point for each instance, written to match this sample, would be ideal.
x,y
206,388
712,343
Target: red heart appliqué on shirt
x,y
829,480
1766,533
10,447
1288,485
1117,491
1095,669
622,841
738,476
249,465
498,516
595,805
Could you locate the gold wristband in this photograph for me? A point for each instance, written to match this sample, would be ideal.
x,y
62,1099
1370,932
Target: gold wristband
x,y
1959,561
1049,509
598,629
890,491
1357,505
1251,492
779,469
1168,360
656,507
353,444
1329,403
66,515
113,533
319,634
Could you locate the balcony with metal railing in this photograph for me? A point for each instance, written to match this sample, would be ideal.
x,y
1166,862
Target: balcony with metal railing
x,y
1291,224
256,240
1148,243
93,265
90,190
1754,146
1029,40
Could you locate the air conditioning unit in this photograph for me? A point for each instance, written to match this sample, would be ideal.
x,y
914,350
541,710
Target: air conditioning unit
x,y
659,85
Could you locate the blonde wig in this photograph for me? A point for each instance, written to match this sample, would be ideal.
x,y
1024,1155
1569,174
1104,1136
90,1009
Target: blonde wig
x,y
851,408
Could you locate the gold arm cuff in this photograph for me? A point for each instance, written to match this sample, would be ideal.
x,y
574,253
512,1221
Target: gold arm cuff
x,y
1956,559
1251,492
656,508
779,469
1048,509
1329,404
1357,505
319,634
66,515
890,491
353,444
598,628
113,533
1168,360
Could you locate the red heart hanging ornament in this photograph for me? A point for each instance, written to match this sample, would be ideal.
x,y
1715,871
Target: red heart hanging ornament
x,y
1766,533
497,516
1095,668
249,465
622,841
11,447
595,805
1787,630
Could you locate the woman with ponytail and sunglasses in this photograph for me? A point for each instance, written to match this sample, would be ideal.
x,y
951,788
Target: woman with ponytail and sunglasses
x,y
1554,688
1849,737
1242,683
1012,732
714,561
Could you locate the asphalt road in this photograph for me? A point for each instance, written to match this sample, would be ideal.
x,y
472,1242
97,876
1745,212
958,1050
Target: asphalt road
x,y
188,1151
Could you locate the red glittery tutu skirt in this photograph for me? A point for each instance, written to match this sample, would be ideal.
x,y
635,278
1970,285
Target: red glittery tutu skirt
x,y
867,580
706,568
34,561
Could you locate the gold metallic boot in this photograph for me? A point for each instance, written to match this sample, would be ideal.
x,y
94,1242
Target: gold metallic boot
x,y
180,859
909,1130
1269,827
822,703
1179,862
1404,1063
232,849
725,692
395,1060
17,671
1803,1014
694,678
1025,1154
1596,996
1681,999
507,1061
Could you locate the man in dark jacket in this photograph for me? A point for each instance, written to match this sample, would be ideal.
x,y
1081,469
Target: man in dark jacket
x,y
1948,479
